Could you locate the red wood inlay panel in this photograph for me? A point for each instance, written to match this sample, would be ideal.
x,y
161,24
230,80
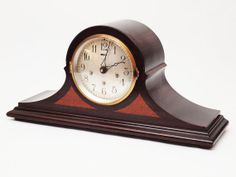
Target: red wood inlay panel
x,y
73,99
137,107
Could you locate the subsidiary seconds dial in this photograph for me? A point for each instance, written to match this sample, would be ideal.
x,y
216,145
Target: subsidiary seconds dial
x,y
103,69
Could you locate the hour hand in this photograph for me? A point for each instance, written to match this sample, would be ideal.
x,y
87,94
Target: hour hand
x,y
104,60
105,47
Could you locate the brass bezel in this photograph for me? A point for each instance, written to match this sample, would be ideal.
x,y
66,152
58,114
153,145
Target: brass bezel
x,y
126,49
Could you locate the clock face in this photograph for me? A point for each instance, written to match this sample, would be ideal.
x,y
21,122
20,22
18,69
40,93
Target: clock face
x,y
103,69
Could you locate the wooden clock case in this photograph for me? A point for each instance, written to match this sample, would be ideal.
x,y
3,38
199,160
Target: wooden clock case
x,y
152,111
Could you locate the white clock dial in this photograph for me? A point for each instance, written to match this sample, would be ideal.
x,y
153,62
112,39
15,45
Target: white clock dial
x,y
104,69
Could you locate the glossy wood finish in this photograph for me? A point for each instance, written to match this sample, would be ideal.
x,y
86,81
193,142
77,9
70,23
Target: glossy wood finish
x,y
152,111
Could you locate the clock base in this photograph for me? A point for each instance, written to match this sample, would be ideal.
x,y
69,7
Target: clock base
x,y
27,111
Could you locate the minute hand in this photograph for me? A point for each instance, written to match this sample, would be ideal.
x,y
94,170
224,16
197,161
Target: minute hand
x,y
115,64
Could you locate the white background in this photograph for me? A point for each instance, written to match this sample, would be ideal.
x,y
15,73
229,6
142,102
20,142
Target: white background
x,y
199,38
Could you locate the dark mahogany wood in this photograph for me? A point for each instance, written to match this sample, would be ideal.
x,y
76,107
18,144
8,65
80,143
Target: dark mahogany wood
x,y
152,111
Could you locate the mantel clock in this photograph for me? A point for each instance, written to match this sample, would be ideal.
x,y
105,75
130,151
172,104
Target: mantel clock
x,y
115,83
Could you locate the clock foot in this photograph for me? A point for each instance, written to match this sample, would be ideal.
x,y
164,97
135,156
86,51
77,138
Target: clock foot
x,y
200,139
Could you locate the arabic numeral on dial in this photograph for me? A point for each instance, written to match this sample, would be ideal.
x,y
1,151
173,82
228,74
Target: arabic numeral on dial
x,y
126,72
114,90
104,45
94,48
85,77
123,82
104,91
82,67
93,87
86,56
